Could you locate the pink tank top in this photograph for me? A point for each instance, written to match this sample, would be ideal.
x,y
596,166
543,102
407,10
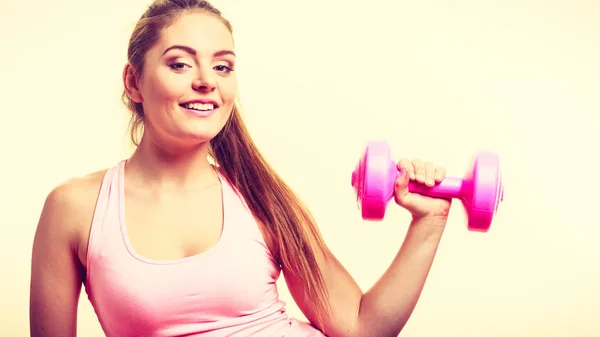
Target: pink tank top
x,y
229,290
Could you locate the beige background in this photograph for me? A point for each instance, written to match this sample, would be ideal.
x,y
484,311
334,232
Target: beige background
x,y
438,80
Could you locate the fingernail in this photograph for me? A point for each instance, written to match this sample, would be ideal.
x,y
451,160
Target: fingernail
x,y
402,172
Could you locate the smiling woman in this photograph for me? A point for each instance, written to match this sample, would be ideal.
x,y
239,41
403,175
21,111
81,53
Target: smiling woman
x,y
169,244
201,107
160,78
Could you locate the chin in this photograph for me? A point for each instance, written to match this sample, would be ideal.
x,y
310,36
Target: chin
x,y
201,136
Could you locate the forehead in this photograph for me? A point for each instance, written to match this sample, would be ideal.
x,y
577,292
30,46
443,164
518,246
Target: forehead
x,y
200,31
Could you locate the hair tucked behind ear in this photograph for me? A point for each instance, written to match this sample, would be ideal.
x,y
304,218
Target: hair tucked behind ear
x,y
290,225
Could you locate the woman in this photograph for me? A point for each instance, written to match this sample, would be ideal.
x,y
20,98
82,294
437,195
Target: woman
x,y
188,236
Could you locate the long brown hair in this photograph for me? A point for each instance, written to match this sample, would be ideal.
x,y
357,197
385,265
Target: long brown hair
x,y
289,224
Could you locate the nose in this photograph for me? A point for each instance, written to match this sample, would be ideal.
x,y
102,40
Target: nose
x,y
204,82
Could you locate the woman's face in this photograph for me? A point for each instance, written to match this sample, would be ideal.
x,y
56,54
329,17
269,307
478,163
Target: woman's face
x,y
187,86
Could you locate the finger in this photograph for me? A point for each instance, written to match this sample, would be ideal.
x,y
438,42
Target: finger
x,y
404,164
401,193
412,175
440,174
404,168
429,174
408,166
419,167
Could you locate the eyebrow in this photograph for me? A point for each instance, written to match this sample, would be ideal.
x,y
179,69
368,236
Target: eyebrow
x,y
192,51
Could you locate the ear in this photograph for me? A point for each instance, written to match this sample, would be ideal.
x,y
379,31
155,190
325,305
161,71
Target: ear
x,y
131,84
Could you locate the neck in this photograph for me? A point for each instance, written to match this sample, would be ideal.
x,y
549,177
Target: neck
x,y
181,169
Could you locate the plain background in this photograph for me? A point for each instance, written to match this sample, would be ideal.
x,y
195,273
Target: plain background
x,y
438,80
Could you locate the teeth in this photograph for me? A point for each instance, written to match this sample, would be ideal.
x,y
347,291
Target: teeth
x,y
200,106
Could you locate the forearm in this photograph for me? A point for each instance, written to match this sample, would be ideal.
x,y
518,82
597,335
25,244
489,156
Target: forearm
x,y
387,306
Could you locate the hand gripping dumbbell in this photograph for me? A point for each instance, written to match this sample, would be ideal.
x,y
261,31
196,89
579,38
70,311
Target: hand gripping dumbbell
x,y
480,190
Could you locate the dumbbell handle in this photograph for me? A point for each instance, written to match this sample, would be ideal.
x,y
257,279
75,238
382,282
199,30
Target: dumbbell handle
x,y
449,187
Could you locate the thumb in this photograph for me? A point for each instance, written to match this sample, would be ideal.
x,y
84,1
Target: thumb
x,y
401,194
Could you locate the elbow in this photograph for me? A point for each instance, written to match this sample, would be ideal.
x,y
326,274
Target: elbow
x,y
366,324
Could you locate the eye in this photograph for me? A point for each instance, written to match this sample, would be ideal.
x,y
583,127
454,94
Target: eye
x,y
178,65
223,68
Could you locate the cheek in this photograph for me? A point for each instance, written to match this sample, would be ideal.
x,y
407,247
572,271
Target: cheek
x,y
227,108
229,89
163,89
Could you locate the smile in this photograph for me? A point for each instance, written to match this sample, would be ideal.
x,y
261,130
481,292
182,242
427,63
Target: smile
x,y
199,106
200,109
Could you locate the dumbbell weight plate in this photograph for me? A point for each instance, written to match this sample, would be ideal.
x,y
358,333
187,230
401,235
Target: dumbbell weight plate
x,y
373,180
483,191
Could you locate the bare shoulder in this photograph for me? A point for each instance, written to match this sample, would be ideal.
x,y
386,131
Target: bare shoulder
x,y
77,195
70,205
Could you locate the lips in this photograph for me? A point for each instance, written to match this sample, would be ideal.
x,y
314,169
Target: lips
x,y
200,102
200,107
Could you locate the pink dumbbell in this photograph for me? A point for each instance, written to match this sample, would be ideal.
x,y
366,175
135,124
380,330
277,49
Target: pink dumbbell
x,y
480,191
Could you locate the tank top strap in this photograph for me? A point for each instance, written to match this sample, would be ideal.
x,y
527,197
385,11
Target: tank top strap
x,y
238,212
106,203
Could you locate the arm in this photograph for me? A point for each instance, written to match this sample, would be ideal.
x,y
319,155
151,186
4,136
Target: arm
x,y
56,274
386,307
